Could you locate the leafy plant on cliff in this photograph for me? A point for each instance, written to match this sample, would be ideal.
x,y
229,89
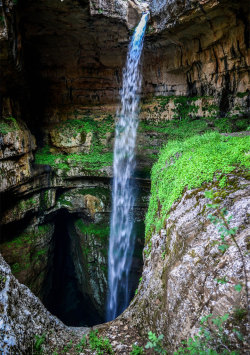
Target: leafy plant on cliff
x,y
155,343
212,338
38,343
99,230
99,344
221,220
137,350
97,157
188,164
81,345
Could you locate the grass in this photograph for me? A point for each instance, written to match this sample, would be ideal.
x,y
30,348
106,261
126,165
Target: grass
x,y
188,164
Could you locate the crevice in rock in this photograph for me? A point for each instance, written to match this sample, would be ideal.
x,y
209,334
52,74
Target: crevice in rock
x,y
65,299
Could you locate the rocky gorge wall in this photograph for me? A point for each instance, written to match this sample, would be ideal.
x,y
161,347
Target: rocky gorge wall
x,y
61,70
179,285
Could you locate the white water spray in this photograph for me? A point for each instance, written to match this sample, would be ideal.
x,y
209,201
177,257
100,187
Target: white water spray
x,y
121,242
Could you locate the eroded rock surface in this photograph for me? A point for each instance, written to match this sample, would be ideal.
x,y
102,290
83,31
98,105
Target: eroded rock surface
x,y
16,153
23,317
178,283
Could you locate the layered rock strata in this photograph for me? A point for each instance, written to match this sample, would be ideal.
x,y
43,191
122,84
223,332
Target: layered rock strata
x,y
179,284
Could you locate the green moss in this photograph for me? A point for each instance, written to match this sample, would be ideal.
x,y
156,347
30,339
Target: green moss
x,y
41,252
85,125
176,130
184,129
24,249
99,230
26,238
96,191
46,199
240,314
242,94
8,124
91,161
185,107
189,164
96,159
62,200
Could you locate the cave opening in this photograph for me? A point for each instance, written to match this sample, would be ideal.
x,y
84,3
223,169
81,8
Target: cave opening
x,y
65,299
68,295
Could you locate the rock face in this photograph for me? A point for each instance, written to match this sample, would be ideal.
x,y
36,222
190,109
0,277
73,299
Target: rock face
x,y
199,48
73,52
23,317
29,255
178,284
17,145
60,75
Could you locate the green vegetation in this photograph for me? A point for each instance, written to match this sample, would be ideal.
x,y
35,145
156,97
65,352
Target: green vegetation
x,y
176,130
99,344
221,220
242,94
85,125
188,164
38,343
63,201
184,129
185,108
98,230
137,350
213,338
96,159
8,124
81,345
2,281
90,161
24,249
155,343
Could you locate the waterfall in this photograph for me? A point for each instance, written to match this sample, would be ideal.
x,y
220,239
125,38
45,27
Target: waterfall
x,y
121,242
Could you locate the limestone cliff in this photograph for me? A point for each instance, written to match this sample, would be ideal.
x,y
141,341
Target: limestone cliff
x,y
179,277
60,75
23,316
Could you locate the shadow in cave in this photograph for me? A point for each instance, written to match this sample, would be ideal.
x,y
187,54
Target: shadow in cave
x,y
65,300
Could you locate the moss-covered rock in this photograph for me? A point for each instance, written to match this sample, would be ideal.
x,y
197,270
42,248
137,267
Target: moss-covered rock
x,y
179,284
189,164
28,255
93,240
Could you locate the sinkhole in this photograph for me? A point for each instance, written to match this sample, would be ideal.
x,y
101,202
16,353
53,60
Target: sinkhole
x,y
66,299
76,283
62,255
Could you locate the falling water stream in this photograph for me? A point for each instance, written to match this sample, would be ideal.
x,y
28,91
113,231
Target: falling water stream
x,y
121,242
